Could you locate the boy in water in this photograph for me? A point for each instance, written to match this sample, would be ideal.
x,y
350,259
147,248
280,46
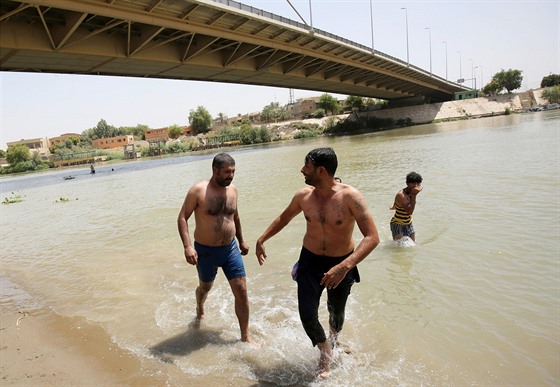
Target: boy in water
x,y
404,204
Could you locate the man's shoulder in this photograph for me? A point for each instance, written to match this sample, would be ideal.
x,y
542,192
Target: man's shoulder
x,y
304,191
198,186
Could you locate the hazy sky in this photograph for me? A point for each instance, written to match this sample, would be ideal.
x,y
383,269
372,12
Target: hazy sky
x,y
483,37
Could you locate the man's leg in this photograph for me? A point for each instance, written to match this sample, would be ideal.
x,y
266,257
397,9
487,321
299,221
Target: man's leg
x,y
309,296
324,368
336,305
239,288
201,294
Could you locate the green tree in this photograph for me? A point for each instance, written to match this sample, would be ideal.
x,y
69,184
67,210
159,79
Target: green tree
x,y
200,119
222,118
355,103
2,153
174,131
552,94
550,80
273,112
18,154
509,80
329,103
139,131
492,88
103,130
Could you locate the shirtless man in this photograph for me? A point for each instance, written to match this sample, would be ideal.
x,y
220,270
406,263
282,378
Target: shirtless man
x,y
404,205
214,203
328,258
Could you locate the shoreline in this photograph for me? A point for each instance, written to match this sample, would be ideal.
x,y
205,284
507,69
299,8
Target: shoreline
x,y
40,347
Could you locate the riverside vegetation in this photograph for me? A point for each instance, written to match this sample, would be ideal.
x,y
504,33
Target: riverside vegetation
x,y
274,125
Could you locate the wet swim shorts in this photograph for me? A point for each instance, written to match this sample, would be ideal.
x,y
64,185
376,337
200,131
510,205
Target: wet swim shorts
x,y
398,229
227,257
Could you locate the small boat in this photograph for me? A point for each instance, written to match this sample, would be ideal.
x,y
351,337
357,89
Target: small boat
x,y
69,177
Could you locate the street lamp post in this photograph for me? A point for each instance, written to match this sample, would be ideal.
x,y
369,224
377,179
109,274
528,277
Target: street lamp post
x,y
407,56
430,40
460,71
472,72
310,15
481,76
444,42
371,13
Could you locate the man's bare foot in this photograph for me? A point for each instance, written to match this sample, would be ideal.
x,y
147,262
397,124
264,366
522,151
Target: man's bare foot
x,y
324,368
199,303
199,312
248,339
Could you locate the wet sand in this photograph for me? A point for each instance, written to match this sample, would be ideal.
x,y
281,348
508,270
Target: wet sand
x,y
39,347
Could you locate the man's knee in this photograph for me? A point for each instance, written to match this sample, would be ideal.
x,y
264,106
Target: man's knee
x,y
238,287
205,287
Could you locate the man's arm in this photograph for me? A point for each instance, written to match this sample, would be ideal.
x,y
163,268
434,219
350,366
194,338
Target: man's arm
x,y
244,247
359,209
278,224
189,205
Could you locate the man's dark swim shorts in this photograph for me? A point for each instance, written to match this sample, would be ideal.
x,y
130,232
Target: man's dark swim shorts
x,y
227,257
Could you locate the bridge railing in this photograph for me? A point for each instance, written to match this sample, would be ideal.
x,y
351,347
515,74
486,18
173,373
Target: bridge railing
x,y
270,15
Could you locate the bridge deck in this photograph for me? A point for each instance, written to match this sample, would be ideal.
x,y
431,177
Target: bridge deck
x,y
222,41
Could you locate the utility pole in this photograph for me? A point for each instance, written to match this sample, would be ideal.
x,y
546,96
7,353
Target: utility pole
x,y
430,39
444,42
407,56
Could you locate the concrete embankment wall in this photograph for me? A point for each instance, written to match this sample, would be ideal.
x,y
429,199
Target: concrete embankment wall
x,y
468,108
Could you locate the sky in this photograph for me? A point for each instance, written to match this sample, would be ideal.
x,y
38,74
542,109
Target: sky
x,y
481,38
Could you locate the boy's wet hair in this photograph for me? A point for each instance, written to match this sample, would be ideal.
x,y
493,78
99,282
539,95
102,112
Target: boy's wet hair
x,y
413,177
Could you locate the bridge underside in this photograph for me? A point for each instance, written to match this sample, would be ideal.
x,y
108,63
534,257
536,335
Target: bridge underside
x,y
199,40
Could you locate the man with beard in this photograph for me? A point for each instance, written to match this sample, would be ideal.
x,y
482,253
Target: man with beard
x,y
328,258
217,224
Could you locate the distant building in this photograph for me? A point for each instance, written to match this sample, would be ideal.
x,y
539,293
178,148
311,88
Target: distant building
x,y
303,107
35,145
250,117
112,142
188,131
468,94
156,135
62,138
162,134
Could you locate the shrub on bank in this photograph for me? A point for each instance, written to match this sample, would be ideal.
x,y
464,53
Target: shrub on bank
x,y
305,134
254,135
367,124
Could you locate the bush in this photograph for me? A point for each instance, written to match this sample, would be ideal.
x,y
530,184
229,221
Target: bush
x,y
319,113
305,134
367,124
552,94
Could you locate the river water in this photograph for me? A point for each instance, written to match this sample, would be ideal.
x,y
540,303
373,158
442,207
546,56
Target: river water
x,y
475,302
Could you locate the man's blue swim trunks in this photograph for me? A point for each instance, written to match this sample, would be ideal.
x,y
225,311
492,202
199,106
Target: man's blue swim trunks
x,y
227,257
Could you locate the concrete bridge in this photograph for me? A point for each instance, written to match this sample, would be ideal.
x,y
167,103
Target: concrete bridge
x,y
206,40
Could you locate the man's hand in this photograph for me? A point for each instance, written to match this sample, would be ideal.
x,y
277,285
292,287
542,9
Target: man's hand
x,y
244,247
260,253
191,255
333,277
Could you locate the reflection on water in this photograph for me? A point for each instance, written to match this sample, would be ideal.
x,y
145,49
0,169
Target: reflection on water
x,y
474,302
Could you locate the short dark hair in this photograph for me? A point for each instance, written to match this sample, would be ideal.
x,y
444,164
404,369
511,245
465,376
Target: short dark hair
x,y
222,159
323,157
413,177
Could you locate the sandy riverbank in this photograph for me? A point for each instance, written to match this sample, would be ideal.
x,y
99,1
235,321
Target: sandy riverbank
x,y
41,348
